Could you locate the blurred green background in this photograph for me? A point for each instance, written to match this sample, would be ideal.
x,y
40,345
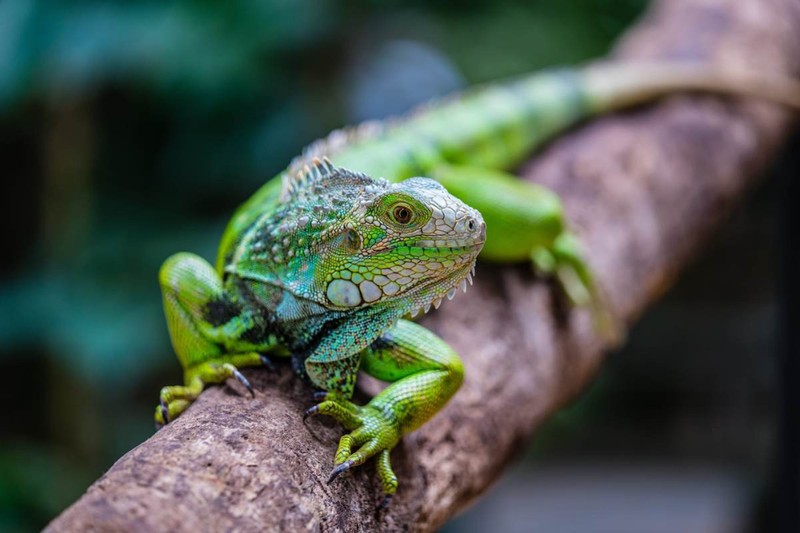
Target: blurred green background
x,y
131,130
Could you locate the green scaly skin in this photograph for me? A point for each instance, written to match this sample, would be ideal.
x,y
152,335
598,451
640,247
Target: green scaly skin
x,y
324,262
326,273
468,143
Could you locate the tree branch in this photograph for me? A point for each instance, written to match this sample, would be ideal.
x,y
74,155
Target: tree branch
x,y
643,190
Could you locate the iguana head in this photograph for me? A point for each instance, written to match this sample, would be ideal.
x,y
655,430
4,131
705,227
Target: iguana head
x,y
411,243
346,240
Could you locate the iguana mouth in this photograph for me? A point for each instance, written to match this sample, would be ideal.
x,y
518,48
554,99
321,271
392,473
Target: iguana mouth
x,y
451,245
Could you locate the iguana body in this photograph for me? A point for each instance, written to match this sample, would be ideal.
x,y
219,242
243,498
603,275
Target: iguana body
x,y
324,262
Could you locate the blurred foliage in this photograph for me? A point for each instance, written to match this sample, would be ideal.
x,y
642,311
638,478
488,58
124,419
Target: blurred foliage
x,y
131,130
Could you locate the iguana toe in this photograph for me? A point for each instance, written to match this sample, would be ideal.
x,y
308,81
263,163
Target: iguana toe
x,y
385,502
339,469
375,435
345,412
238,376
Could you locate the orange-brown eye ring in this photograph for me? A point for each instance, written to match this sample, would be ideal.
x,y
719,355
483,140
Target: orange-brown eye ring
x,y
402,214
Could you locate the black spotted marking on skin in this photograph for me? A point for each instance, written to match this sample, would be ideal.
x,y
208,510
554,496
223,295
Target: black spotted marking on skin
x,y
316,329
262,309
384,342
384,350
256,334
302,346
248,306
244,294
219,312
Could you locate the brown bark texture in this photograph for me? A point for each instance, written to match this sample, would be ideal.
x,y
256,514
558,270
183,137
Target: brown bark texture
x,y
643,190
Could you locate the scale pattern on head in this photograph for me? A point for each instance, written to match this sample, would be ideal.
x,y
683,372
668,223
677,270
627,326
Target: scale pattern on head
x,y
346,240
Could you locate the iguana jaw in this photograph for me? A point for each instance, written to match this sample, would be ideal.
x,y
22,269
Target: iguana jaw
x,y
435,295
447,261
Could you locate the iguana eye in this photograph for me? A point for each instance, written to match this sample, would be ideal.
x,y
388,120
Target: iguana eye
x,y
402,214
400,211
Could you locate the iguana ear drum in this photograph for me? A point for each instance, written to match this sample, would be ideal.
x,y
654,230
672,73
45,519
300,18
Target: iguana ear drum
x,y
348,240
353,240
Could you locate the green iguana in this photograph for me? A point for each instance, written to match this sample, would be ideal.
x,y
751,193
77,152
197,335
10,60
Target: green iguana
x,y
324,263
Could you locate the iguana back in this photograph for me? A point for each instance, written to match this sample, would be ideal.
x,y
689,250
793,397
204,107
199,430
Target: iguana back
x,y
496,126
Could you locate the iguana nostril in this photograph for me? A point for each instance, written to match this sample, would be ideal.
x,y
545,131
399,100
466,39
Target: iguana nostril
x,y
471,224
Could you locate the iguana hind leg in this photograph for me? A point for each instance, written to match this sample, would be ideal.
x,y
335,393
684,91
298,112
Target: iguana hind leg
x,y
206,331
579,284
424,373
525,222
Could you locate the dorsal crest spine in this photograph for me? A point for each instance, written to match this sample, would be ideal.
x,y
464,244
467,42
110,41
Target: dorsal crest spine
x,y
318,170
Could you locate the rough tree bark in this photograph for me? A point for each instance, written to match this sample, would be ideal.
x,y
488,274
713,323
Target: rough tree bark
x,y
644,190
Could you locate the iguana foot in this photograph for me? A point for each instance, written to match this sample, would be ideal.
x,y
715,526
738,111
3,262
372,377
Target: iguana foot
x,y
566,260
424,373
527,221
175,399
375,432
209,332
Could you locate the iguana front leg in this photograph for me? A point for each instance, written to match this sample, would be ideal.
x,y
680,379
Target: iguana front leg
x,y
525,222
206,331
425,373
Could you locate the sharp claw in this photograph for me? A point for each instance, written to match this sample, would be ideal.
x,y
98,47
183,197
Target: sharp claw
x,y
267,363
385,503
243,380
310,412
165,413
321,395
344,467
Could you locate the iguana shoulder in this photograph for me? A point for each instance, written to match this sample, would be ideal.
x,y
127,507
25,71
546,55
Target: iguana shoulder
x,y
268,199
284,243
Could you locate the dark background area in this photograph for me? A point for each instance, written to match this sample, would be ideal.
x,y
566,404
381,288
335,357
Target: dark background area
x,y
131,130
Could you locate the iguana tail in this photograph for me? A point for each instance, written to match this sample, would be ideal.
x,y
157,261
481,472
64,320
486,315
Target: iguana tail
x,y
612,86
